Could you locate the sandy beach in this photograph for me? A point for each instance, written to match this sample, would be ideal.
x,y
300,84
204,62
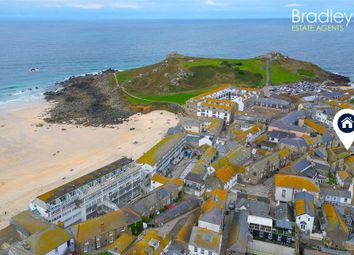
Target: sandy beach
x,y
36,156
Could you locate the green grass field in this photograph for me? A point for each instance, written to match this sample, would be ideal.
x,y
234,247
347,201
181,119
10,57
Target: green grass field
x,y
153,83
173,98
123,76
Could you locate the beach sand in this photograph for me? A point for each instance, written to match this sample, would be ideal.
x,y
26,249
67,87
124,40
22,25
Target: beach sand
x,y
36,156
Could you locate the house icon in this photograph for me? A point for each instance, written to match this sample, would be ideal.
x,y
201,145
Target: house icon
x,y
347,123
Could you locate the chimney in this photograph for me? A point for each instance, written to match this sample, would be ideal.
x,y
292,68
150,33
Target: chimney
x,y
102,227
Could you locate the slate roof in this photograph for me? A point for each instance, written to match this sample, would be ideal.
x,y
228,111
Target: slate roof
x,y
238,237
302,165
175,130
284,224
254,207
276,101
280,134
214,215
296,142
304,204
289,121
335,192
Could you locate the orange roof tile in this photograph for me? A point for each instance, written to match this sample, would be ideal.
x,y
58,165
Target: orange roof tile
x,y
295,182
160,179
334,219
344,175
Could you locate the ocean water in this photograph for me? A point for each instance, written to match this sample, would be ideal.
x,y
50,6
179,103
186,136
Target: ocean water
x,y
66,48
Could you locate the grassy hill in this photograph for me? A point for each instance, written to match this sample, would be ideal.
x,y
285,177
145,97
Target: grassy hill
x,y
178,78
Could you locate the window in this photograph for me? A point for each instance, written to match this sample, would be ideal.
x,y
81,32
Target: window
x,y
308,219
283,193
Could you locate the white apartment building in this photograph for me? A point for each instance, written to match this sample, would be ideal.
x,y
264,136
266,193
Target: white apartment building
x,y
113,185
168,151
222,102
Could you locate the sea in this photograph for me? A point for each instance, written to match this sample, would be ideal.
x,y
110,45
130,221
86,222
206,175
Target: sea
x,y
34,55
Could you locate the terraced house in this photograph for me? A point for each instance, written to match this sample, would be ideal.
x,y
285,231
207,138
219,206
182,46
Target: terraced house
x,y
168,151
102,231
259,169
194,183
217,108
206,238
111,186
226,92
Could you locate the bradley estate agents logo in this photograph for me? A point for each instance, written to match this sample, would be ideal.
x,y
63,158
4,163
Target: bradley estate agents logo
x,y
328,20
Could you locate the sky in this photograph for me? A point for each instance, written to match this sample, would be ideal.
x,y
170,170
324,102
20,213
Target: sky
x,y
162,9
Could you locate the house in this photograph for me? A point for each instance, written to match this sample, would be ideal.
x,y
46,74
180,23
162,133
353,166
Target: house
x,y
297,145
121,244
267,234
158,180
227,175
221,102
191,125
335,230
50,241
206,238
117,183
161,197
255,132
168,151
238,157
275,136
212,216
102,231
266,165
344,178
305,167
206,140
304,211
214,126
273,103
286,187
194,180
325,116
336,196
152,242
217,108
181,233
293,123
238,237
204,241
178,209
26,223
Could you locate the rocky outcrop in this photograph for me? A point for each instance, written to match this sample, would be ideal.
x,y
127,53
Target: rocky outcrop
x,y
93,100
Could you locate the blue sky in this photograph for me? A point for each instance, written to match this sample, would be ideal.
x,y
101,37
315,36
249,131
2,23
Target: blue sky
x,y
162,9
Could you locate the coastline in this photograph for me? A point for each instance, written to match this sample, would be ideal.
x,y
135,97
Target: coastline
x,y
36,156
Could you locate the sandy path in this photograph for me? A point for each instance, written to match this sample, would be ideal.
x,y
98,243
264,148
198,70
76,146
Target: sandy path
x,y
34,159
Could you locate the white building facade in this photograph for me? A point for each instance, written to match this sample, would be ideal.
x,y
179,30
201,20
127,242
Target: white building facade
x,y
116,184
